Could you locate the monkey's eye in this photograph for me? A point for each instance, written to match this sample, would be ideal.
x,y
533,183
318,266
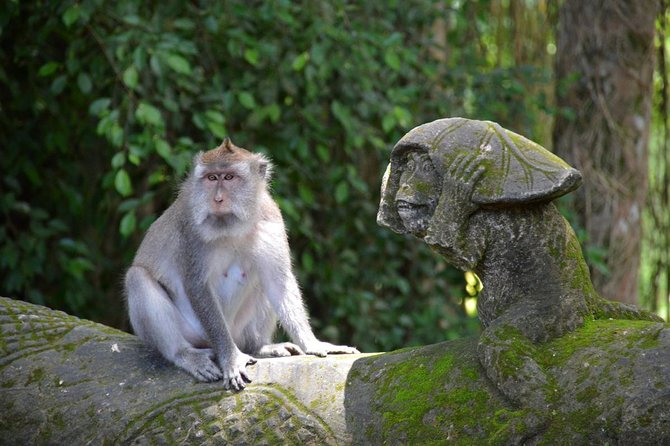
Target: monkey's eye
x,y
212,177
228,176
427,166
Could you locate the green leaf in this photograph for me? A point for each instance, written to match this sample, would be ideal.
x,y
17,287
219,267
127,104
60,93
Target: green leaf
x,y
128,224
341,192
300,61
342,114
217,129
247,100
98,106
163,148
306,194
58,85
215,116
71,15
403,116
84,82
323,153
307,262
129,205
118,160
185,24
130,77
156,178
178,63
252,56
116,135
48,69
132,20
273,111
392,60
148,114
122,183
388,122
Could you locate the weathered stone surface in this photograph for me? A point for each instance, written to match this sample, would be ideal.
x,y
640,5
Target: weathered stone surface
x,y
481,196
609,382
70,381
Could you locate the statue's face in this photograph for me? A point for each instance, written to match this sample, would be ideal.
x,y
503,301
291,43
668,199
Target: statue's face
x,y
418,192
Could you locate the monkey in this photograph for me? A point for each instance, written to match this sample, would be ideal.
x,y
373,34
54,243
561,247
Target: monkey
x,y
213,274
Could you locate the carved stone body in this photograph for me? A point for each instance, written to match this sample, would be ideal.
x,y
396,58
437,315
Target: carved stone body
x,y
486,207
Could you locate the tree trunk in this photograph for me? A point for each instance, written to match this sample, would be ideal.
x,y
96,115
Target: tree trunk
x,y
604,67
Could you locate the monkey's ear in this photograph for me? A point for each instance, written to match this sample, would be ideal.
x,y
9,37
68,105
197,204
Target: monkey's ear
x,y
263,169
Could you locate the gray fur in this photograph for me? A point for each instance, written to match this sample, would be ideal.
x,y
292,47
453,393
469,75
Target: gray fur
x,y
213,275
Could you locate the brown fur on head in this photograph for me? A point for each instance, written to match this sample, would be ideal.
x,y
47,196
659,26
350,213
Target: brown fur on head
x,y
227,152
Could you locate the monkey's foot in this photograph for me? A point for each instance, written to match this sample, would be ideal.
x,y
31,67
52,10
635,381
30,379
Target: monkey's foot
x,y
322,349
235,370
278,350
199,363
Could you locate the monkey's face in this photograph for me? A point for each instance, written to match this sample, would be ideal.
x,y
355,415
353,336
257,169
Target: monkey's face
x,y
418,192
219,187
229,191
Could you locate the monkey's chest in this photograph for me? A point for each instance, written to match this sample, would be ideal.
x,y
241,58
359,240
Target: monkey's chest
x,y
234,284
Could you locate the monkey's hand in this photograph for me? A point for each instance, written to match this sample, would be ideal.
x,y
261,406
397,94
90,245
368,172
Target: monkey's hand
x,y
322,349
234,370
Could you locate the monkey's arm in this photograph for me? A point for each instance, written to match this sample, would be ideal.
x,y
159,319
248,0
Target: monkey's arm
x,y
229,358
282,291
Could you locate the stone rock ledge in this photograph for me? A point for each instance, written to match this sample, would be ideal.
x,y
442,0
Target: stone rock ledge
x,y
69,381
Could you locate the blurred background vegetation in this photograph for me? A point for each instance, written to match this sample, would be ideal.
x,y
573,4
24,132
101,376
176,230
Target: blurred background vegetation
x,y
103,103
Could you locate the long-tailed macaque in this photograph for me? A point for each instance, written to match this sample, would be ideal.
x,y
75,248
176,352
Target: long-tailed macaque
x,y
213,274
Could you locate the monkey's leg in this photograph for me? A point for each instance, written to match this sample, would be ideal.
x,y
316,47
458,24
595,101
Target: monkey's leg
x,y
157,321
257,335
277,350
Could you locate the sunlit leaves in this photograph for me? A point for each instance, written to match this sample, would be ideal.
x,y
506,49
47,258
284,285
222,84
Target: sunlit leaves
x,y
300,61
163,148
128,224
130,77
48,69
99,106
392,59
149,114
71,15
252,56
122,183
84,82
178,63
246,99
341,192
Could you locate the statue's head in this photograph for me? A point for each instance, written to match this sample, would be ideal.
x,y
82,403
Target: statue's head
x,y
443,171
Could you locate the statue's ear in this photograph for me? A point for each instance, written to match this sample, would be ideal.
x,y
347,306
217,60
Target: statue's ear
x,y
518,170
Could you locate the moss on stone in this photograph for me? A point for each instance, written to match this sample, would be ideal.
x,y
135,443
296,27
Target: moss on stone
x,y
36,376
438,394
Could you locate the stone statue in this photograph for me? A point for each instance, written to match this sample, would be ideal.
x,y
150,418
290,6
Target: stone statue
x,y
480,196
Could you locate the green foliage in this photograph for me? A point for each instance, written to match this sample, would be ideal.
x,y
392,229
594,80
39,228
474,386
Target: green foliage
x,y
104,103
